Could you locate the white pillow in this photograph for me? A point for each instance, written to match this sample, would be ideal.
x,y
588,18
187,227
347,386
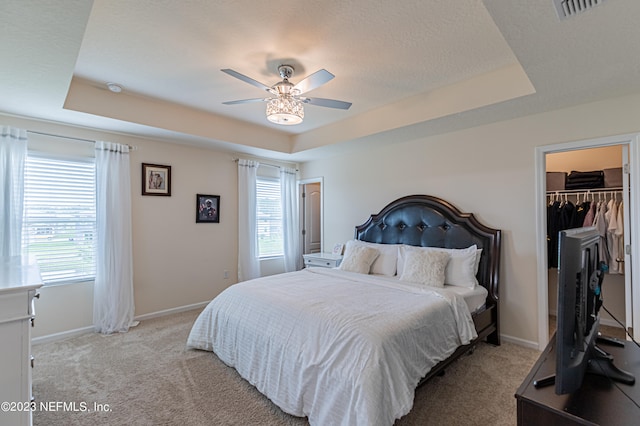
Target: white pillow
x,y
425,267
387,261
478,256
358,258
461,269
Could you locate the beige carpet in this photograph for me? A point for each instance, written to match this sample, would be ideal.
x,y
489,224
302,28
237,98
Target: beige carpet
x,y
148,377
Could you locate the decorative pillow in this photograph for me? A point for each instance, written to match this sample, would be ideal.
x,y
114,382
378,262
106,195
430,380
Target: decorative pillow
x,y
358,258
387,261
461,269
425,267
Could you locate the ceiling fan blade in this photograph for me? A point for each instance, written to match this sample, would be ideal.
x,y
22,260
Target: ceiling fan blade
x,y
329,103
246,79
246,101
313,81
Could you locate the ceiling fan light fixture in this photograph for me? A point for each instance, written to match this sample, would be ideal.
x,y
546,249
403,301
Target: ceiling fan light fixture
x,y
285,110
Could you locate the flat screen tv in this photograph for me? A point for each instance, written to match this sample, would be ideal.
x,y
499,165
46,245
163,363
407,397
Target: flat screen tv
x,y
580,275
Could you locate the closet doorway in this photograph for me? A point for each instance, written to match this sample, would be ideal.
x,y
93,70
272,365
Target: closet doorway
x,y
607,153
311,220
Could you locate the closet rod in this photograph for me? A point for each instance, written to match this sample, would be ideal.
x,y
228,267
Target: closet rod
x,y
581,191
132,148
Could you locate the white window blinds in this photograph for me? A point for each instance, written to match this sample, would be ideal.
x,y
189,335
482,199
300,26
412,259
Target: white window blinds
x,y
269,218
59,225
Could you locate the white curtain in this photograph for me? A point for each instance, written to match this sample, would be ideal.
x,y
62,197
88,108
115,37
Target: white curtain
x,y
113,306
13,155
248,263
290,219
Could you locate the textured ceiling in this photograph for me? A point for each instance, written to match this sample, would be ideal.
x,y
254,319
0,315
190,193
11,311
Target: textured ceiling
x,y
410,67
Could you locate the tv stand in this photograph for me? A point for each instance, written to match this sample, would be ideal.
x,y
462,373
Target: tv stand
x,y
609,340
600,364
598,401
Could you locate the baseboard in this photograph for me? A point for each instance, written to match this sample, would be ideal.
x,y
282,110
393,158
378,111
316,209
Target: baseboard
x,y
520,342
63,335
89,329
171,311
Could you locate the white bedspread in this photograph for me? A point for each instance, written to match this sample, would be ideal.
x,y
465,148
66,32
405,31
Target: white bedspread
x,y
338,347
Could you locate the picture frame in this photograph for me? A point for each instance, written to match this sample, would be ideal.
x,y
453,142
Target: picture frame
x,y
156,180
337,249
207,208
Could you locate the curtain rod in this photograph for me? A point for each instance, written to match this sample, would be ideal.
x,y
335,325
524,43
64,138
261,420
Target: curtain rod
x,y
264,164
132,148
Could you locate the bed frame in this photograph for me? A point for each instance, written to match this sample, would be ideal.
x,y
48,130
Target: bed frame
x,y
427,221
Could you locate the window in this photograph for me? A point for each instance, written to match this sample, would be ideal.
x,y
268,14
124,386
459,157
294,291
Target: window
x,y
59,224
269,218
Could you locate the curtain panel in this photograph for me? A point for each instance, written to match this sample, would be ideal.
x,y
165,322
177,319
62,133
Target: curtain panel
x,y
248,262
290,219
13,155
113,304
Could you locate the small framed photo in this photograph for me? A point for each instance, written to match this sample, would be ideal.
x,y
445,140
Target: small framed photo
x,y
156,179
207,208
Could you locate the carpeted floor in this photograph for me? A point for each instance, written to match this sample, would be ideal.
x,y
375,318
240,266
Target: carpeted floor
x,y
148,377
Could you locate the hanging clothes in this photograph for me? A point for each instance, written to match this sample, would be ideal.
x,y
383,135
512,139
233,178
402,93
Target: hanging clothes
x,y
591,215
553,228
600,223
612,242
605,215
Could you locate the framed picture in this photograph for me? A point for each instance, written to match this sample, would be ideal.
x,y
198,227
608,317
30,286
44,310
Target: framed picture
x,y
156,179
207,208
337,249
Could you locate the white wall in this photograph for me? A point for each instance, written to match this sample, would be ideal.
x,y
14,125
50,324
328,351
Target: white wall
x,y
488,170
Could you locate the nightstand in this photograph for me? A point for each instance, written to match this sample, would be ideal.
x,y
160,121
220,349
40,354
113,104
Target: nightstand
x,y
324,260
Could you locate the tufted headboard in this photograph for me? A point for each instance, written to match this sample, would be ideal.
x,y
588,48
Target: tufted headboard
x,y
423,220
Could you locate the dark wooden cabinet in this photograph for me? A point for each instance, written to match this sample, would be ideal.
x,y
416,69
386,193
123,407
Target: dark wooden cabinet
x,y
599,401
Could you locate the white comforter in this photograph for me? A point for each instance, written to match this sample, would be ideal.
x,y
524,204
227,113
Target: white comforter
x,y
338,347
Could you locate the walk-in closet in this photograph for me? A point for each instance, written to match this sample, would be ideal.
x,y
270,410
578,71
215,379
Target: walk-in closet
x,y
587,188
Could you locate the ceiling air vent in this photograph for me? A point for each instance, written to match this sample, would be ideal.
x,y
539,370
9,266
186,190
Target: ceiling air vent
x,y
569,8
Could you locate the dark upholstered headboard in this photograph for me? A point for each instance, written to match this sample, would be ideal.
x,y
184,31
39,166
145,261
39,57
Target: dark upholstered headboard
x,y
423,220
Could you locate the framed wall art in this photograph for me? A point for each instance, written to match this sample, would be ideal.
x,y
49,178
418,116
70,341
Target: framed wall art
x,y
207,208
156,179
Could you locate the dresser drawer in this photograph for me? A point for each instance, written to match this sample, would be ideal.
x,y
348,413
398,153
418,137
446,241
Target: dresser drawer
x,y
14,306
322,260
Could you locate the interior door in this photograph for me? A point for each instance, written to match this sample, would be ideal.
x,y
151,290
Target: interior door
x,y
312,229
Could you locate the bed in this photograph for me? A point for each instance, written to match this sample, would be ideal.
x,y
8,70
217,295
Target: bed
x,y
349,346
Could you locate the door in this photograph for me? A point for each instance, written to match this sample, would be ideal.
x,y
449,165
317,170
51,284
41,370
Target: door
x,y
311,197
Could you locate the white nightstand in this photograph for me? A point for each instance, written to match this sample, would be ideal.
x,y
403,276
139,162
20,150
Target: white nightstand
x,y
324,260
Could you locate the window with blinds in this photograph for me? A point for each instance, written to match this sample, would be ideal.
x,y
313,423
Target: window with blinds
x,y
59,226
269,218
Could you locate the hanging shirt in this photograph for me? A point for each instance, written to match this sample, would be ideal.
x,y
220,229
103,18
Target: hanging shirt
x,y
600,222
591,215
612,240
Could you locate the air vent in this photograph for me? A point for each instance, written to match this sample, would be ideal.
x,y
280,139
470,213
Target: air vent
x,y
569,8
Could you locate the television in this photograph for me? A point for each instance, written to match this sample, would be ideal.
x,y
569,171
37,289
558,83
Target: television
x,y
581,272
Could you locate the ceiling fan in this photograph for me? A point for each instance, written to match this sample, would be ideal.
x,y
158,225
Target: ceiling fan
x,y
285,106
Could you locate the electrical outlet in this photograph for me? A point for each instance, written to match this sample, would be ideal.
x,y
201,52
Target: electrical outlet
x,y
226,274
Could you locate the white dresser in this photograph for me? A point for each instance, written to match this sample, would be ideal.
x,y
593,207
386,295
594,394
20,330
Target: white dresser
x,y
19,282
